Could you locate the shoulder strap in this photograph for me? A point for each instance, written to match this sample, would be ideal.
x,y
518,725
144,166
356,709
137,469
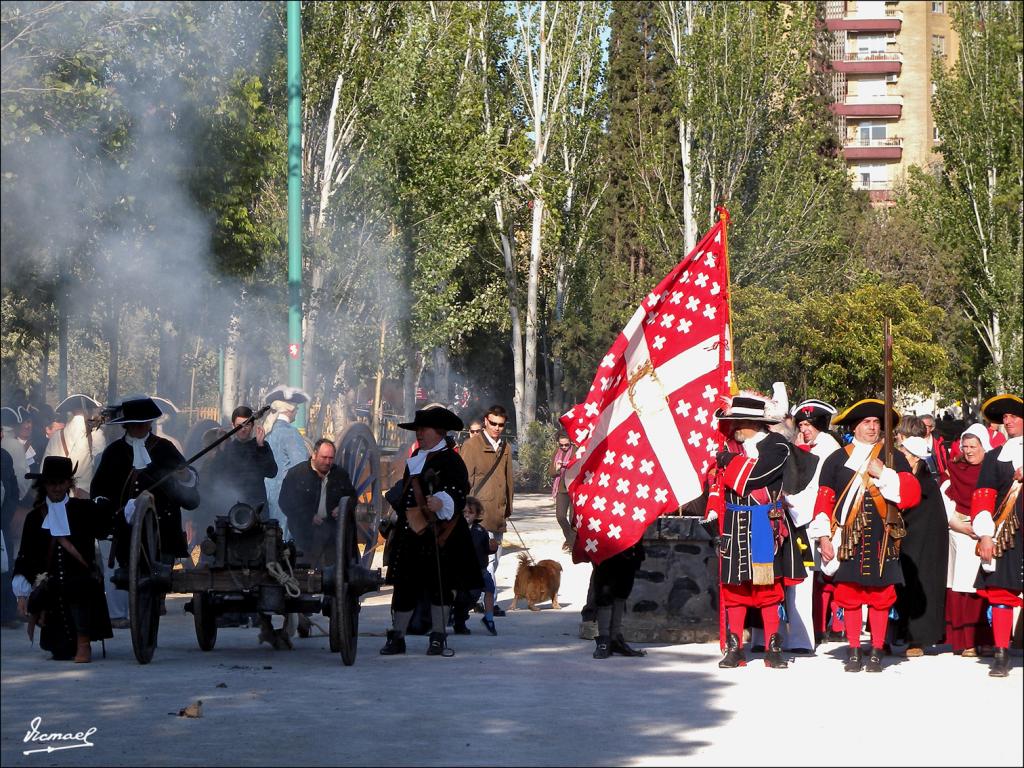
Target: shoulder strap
x,y
497,460
64,445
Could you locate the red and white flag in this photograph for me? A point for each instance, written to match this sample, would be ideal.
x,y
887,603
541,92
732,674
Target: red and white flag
x,y
646,432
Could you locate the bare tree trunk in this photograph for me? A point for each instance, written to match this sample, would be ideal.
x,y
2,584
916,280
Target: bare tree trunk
x,y
112,333
229,395
312,316
512,287
44,368
442,376
168,383
530,347
409,385
62,351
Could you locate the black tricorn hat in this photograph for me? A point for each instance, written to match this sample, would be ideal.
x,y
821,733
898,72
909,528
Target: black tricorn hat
x,y
55,469
864,409
436,418
137,411
817,412
994,408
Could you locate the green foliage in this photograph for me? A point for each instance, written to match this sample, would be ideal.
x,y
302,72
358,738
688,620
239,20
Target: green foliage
x,y
828,345
972,203
535,449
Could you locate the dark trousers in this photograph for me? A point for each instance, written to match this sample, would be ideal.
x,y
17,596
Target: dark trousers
x,y
563,512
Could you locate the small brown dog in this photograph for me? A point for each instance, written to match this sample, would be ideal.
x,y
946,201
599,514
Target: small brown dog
x,y
537,583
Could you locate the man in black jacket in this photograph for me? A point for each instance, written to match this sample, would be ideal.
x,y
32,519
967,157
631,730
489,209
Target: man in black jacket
x,y
309,499
135,463
237,472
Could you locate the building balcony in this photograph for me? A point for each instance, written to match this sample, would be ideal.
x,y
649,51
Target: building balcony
x,y
889,106
868,63
853,24
873,149
873,186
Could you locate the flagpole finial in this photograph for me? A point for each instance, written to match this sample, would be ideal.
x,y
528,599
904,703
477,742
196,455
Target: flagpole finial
x,y
723,213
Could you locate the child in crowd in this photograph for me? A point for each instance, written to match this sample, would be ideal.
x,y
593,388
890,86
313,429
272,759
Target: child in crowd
x,y
483,545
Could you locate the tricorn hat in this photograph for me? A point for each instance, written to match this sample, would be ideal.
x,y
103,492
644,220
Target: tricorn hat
x,y
137,411
76,403
436,418
55,469
292,395
9,417
864,409
817,412
750,406
994,408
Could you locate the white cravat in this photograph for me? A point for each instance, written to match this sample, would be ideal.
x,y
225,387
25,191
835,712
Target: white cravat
x,y
140,456
56,520
1013,452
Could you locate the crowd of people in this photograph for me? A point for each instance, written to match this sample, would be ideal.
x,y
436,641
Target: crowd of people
x,y
922,539
817,530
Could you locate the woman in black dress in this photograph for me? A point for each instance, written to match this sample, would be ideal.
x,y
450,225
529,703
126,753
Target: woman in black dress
x,y
59,540
924,553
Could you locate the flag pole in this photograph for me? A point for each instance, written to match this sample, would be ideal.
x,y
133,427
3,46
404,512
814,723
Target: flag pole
x,y
723,217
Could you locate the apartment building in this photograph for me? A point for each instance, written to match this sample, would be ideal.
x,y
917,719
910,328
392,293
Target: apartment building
x,y
881,63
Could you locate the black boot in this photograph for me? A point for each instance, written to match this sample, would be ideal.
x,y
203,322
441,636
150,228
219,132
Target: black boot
x,y
1000,663
875,660
773,656
620,646
855,661
395,644
438,645
734,656
603,649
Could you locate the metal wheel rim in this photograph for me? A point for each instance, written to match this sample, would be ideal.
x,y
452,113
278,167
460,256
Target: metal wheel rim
x,y
143,598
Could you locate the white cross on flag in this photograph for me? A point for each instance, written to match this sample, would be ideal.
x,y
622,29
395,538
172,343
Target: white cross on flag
x,y
646,432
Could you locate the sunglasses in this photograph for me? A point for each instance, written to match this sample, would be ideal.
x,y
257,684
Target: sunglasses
x,y
475,431
497,424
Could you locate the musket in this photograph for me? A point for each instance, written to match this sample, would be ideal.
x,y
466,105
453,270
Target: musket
x,y
893,522
257,415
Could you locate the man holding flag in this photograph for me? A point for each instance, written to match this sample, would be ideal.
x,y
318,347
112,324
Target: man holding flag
x,y
760,547
646,432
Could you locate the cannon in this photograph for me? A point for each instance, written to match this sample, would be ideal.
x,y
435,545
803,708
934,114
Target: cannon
x,y
248,566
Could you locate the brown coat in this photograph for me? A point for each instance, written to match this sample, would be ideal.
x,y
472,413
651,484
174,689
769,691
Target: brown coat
x,y
496,493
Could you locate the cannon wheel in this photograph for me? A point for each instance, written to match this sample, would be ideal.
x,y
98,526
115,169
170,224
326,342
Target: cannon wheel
x,y
143,594
205,619
344,628
359,455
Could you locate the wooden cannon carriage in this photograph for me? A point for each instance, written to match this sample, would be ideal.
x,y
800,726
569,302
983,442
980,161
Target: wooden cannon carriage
x,y
246,565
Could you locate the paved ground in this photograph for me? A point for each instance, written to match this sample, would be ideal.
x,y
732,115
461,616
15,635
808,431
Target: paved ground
x,y
531,696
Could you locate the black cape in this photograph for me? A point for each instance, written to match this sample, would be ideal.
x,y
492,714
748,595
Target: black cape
x,y
924,553
413,561
116,480
74,602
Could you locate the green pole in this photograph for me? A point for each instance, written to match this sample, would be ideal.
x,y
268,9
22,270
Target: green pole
x,y
295,203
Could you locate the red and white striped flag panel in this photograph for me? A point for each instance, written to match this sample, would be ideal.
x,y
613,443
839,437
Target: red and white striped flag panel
x,y
646,432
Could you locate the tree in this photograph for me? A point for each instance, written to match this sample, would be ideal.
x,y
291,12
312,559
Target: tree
x,y
828,345
972,203
545,57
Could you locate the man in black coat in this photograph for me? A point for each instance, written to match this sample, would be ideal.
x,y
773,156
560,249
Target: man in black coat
x,y
136,462
310,496
237,472
433,554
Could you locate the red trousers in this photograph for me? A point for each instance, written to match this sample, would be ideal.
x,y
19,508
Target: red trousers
x,y
750,595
